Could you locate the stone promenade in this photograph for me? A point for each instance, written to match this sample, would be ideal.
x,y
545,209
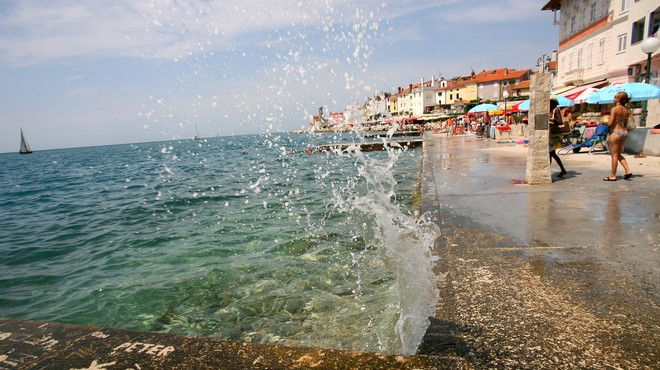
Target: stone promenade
x,y
563,275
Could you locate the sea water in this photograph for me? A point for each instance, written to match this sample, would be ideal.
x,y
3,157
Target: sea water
x,y
247,238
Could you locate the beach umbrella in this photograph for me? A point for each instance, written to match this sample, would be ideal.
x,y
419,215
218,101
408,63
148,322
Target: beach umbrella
x,y
483,107
637,91
563,102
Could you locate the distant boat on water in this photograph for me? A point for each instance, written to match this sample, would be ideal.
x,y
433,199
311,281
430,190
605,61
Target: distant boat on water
x,y
25,148
196,133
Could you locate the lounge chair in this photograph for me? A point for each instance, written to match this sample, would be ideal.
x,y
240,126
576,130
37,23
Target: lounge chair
x,y
599,137
573,140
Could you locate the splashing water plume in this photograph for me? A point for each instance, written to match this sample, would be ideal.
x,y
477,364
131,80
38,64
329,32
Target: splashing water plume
x,y
304,70
406,243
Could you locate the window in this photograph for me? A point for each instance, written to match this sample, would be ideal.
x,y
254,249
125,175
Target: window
x,y
623,41
654,22
624,6
590,50
638,31
601,52
592,17
570,62
572,24
579,58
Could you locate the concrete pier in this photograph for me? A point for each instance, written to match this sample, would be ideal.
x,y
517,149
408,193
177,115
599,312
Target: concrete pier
x,y
370,146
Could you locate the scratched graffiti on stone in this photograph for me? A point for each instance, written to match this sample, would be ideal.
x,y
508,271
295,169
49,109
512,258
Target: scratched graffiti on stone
x,y
99,334
96,366
148,348
4,359
47,342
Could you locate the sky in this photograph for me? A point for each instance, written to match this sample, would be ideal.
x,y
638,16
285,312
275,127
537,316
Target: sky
x,y
86,73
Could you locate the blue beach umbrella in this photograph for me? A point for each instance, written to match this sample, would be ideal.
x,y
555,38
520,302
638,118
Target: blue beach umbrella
x,y
484,107
563,102
637,91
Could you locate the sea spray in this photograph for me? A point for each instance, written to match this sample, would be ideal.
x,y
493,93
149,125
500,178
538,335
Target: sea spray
x,y
406,240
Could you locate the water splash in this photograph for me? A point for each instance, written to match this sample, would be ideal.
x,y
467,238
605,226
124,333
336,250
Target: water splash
x,y
315,56
372,204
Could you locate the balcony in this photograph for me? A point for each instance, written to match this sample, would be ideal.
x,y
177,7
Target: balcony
x,y
574,77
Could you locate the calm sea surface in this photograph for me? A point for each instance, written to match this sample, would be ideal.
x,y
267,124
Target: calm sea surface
x,y
245,238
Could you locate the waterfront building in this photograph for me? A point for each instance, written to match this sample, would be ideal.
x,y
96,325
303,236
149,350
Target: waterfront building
x,y
600,44
492,84
405,100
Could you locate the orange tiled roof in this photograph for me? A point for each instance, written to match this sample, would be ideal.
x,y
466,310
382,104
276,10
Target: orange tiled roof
x,y
522,85
456,85
498,75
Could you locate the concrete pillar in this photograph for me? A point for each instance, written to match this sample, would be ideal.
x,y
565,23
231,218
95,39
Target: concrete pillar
x,y
538,158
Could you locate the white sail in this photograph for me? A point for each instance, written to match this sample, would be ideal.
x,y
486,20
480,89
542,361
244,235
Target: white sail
x,y
25,148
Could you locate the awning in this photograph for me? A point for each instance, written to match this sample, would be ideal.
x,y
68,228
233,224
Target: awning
x,y
513,108
572,94
576,91
561,90
582,98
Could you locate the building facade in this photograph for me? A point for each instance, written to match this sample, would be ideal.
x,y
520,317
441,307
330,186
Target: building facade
x,y
600,44
599,41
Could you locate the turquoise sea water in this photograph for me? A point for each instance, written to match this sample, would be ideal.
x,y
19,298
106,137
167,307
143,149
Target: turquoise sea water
x,y
245,238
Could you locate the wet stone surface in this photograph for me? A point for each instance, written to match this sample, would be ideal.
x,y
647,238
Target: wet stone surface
x,y
38,345
542,277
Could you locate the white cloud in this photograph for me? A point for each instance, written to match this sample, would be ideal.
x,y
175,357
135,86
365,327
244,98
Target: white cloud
x,y
38,32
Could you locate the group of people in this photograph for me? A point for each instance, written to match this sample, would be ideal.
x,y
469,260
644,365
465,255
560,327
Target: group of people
x,y
483,124
618,133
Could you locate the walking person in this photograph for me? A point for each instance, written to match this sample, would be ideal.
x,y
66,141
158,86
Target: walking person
x,y
555,140
618,135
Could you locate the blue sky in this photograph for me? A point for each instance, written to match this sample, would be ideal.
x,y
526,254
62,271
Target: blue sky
x,y
83,73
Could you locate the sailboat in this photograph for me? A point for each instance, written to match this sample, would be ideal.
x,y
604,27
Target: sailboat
x,y
196,133
25,148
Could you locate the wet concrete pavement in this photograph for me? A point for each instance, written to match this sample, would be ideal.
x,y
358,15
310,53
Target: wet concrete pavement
x,y
563,275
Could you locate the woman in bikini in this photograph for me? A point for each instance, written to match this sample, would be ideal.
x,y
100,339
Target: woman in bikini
x,y
618,135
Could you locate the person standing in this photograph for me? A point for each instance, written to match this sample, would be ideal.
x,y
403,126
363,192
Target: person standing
x,y
509,120
486,124
618,135
555,140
